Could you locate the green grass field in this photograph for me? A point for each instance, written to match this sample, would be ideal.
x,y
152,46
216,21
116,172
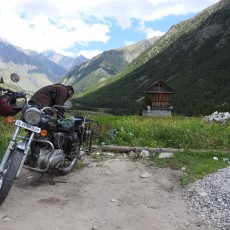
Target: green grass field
x,y
187,133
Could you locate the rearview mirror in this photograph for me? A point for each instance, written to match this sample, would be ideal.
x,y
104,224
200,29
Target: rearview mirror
x,y
14,77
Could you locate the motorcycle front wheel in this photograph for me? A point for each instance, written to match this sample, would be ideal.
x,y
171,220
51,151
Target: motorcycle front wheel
x,y
10,172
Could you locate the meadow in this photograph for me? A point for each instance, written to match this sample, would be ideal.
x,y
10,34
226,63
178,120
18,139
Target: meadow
x,y
206,146
165,132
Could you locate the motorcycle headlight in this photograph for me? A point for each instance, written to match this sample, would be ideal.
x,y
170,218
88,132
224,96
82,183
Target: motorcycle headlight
x,y
32,116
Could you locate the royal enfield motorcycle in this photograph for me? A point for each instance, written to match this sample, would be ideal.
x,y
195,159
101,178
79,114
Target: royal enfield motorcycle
x,y
44,140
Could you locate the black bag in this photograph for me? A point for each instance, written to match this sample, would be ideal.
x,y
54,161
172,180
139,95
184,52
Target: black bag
x,y
66,125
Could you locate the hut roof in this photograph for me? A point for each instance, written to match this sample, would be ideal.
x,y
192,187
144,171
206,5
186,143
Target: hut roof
x,y
159,87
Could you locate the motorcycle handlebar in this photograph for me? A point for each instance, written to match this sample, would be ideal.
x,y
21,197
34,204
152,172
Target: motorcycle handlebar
x,y
20,94
6,90
16,94
53,110
48,108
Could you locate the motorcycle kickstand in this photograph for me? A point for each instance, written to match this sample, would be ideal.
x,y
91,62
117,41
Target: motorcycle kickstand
x,y
38,180
52,179
57,181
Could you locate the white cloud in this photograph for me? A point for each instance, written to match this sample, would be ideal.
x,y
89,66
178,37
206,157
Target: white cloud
x,y
60,25
128,43
153,33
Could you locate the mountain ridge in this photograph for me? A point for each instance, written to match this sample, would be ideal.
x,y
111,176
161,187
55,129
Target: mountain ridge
x,y
36,69
104,65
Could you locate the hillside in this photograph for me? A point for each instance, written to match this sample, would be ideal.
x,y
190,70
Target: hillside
x,y
103,66
34,68
192,58
64,61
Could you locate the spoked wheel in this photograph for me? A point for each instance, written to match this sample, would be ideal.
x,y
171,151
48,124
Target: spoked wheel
x,y
10,172
70,162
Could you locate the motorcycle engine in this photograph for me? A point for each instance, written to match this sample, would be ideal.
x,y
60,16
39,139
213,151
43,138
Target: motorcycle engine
x,y
64,144
66,141
39,156
59,139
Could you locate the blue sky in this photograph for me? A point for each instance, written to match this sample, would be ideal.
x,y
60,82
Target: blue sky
x,y
89,27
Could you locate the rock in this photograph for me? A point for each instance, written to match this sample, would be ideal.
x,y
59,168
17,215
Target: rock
x,y
82,153
144,153
132,154
145,175
203,193
108,154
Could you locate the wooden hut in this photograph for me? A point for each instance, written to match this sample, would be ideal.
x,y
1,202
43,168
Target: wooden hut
x,y
157,100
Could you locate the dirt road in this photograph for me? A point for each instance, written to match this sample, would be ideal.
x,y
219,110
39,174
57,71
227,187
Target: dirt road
x,y
115,193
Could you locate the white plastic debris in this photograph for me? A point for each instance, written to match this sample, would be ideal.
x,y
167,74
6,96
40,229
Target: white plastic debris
x,y
220,117
165,155
226,159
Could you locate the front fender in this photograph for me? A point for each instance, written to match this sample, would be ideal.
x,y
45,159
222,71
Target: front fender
x,y
21,145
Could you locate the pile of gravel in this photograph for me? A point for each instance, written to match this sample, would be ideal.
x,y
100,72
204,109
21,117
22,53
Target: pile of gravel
x,y
209,198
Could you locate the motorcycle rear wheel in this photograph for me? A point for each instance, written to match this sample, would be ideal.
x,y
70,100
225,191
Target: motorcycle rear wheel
x,y
11,169
68,165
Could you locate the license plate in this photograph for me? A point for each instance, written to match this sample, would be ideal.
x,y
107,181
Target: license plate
x,y
27,126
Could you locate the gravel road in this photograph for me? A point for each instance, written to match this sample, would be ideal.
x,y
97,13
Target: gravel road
x,y
113,193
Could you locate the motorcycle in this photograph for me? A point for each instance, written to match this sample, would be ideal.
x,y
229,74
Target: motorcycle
x,y
44,140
